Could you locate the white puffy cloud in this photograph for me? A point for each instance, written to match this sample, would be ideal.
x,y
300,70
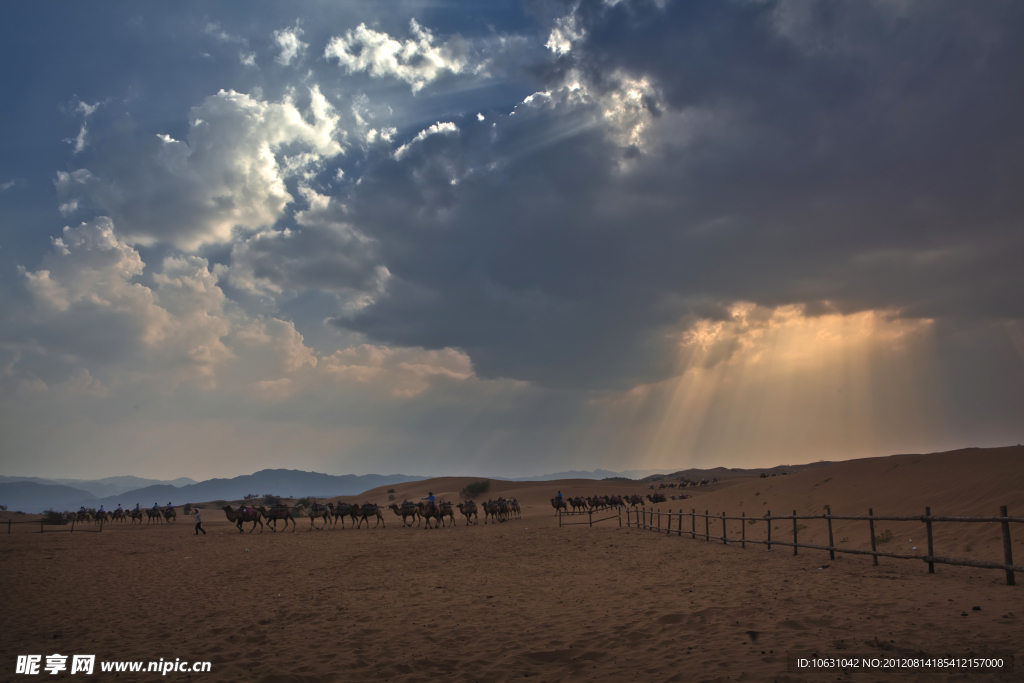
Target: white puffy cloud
x,y
439,128
417,61
290,46
228,174
564,33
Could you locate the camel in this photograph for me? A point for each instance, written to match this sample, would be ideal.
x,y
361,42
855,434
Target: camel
x,y
136,515
493,510
101,517
369,510
342,511
315,511
244,515
152,514
515,509
117,516
657,498
578,502
446,509
635,500
428,511
277,512
170,514
407,509
469,510
559,504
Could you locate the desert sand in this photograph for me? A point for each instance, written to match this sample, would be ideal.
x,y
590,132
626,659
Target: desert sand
x,y
527,599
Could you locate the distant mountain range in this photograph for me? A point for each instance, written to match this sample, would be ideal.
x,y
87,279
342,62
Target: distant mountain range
x,y
591,474
110,486
29,494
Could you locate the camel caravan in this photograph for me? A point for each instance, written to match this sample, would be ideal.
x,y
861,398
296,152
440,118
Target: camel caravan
x,y
599,503
441,513
591,503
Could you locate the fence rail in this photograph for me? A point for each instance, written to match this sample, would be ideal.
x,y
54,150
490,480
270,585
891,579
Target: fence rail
x,y
652,520
590,517
43,524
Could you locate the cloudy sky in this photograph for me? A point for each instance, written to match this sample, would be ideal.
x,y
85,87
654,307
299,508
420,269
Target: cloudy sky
x,y
507,238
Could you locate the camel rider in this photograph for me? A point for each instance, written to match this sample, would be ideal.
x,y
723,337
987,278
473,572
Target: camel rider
x,y
137,507
169,506
559,496
101,510
431,499
119,508
156,507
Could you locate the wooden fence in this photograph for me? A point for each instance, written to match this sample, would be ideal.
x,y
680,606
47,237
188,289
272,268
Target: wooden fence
x,y
69,527
590,516
652,520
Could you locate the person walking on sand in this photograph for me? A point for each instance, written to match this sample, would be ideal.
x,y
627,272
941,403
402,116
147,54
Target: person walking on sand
x,y
199,523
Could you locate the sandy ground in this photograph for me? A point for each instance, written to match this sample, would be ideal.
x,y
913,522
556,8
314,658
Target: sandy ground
x,y
523,599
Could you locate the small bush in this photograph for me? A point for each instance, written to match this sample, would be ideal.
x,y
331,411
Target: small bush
x,y
799,527
391,491
252,496
753,521
828,508
844,539
271,499
477,488
51,517
757,493
391,496
884,538
220,503
968,548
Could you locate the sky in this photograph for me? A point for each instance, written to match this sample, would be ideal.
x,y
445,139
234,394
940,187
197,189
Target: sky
x,y
507,238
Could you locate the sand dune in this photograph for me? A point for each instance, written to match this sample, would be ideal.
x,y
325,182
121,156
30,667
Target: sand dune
x,y
525,599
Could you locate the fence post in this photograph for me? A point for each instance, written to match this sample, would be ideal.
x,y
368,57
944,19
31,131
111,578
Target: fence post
x,y
743,531
1007,548
620,518
668,525
707,525
871,524
831,543
693,523
590,516
768,519
40,526
795,542
931,551
679,531
725,536
72,526
8,527
559,519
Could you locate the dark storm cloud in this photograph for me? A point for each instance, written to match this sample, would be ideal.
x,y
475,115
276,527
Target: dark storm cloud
x,y
853,156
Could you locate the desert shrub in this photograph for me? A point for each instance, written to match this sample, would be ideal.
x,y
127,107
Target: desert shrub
x,y
616,479
252,496
827,508
844,539
477,488
968,548
304,501
188,508
799,527
757,493
391,496
220,503
3,508
753,521
885,537
51,517
271,499
391,490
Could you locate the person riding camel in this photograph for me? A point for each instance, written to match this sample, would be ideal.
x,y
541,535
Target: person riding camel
x,y
137,507
119,508
101,510
169,506
156,507
559,496
431,499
